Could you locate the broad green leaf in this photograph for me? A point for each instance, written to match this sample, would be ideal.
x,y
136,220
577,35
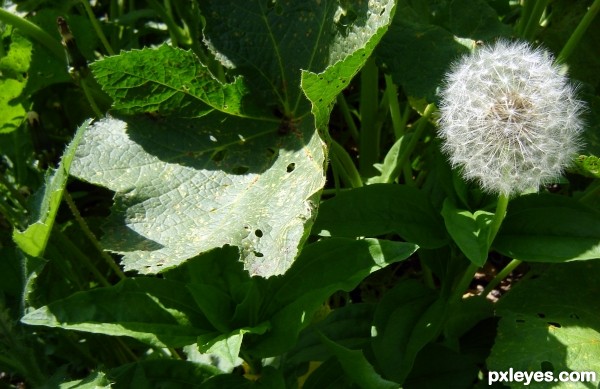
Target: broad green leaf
x,y
474,19
13,77
228,346
466,314
187,186
380,209
250,183
424,39
437,366
551,322
34,239
326,36
323,268
469,230
348,53
96,380
357,367
166,80
348,326
330,375
407,318
161,373
549,228
154,311
417,53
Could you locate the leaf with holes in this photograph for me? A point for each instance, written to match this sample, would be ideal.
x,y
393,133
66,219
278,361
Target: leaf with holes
x,y
551,322
186,186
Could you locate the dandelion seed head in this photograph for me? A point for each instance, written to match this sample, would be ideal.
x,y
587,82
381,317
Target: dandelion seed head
x,y
509,118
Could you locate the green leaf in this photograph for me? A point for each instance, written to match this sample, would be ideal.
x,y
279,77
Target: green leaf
x,y
424,39
587,165
13,77
474,19
154,311
407,318
466,314
469,231
551,322
34,239
329,374
323,268
348,53
161,373
228,346
187,186
357,367
437,366
417,53
348,326
96,380
294,37
165,80
549,228
380,209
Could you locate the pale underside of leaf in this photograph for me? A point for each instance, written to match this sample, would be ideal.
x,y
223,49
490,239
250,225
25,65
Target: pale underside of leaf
x,y
187,186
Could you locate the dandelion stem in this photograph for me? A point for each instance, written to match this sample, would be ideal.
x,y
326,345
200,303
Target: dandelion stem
x,y
500,276
578,33
498,217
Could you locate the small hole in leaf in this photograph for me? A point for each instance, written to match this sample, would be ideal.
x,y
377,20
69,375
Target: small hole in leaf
x,y
554,324
541,315
218,156
258,254
291,167
546,366
240,170
258,233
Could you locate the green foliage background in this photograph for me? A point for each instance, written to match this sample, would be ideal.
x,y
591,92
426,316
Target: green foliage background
x,y
199,193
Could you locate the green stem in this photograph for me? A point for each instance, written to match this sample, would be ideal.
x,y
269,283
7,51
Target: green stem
x,y
427,275
499,215
345,165
534,19
412,142
86,230
33,31
66,243
97,27
369,105
343,106
500,276
578,33
177,35
398,123
89,97
526,10
464,282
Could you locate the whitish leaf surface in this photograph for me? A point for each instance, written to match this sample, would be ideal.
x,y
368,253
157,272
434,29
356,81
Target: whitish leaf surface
x,y
187,186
